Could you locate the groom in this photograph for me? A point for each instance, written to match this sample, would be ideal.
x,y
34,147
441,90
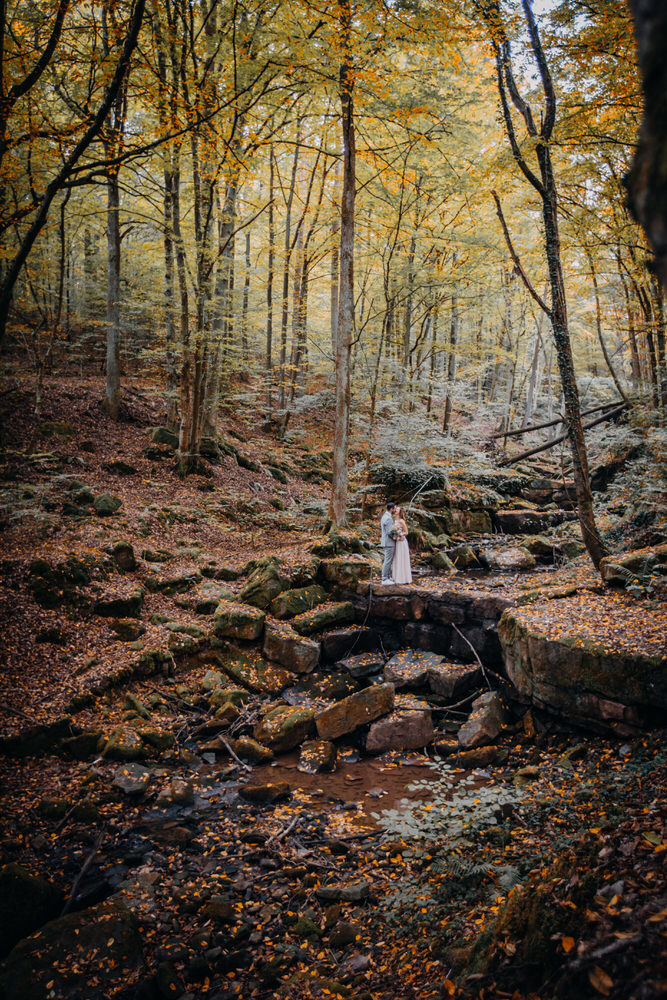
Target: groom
x,y
388,543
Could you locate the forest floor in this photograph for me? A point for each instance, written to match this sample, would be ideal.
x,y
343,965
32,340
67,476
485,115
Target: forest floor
x,y
558,889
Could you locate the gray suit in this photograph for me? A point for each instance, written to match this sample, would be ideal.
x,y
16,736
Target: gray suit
x,y
388,544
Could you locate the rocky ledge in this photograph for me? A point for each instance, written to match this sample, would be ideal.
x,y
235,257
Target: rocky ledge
x,y
596,659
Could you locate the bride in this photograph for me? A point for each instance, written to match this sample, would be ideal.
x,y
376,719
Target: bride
x,y
401,571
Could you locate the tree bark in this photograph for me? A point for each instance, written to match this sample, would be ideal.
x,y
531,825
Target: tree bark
x,y
338,505
112,392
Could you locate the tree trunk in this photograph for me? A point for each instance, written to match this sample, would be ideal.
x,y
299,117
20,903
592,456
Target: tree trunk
x,y
346,297
112,394
169,295
269,287
451,361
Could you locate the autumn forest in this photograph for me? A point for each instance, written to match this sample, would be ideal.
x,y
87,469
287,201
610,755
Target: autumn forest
x,y
272,271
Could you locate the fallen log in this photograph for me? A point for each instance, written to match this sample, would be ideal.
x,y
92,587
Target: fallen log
x,y
562,437
550,423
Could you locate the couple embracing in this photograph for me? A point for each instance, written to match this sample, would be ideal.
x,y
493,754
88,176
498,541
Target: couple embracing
x,y
396,565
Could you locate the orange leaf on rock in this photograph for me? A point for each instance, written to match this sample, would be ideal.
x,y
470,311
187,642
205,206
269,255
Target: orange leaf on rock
x,y
567,943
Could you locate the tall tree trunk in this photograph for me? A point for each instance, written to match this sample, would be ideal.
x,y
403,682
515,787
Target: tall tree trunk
x,y
545,185
112,392
335,261
346,297
451,361
245,348
169,297
269,286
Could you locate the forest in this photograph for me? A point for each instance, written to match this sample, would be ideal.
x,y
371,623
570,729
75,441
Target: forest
x,y
273,272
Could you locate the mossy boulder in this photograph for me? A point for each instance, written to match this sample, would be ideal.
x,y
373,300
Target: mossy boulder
x,y
463,557
252,750
106,504
263,584
252,672
323,617
285,727
93,953
511,557
37,740
287,647
236,621
267,793
162,435
26,902
294,602
123,743
635,566
175,583
124,557
346,571
122,599
55,583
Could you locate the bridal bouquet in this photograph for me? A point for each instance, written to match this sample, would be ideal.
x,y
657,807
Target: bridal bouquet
x,y
396,532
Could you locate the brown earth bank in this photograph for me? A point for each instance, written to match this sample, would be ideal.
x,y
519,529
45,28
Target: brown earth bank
x,y
235,765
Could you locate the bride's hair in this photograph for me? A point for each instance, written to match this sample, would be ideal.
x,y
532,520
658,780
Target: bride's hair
x,y
401,512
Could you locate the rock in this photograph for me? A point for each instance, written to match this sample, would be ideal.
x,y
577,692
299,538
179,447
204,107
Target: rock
x,y
55,583
263,584
285,727
156,556
514,557
355,710
342,642
363,665
252,751
613,686
440,560
227,695
182,792
346,571
123,743
453,680
106,504
177,583
469,522
343,934
220,910
124,557
430,638
480,757
207,597
212,679
124,599
530,522
525,775
268,793
119,467
132,779
287,647
162,435
254,673
353,892
544,549
26,902
626,567
484,722
323,617
127,629
132,702
410,668
307,928
294,602
317,756
36,740
100,945
401,730
235,621
158,739
463,557
80,747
